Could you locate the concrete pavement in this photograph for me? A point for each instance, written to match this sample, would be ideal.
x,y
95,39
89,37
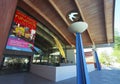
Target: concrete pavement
x,y
105,76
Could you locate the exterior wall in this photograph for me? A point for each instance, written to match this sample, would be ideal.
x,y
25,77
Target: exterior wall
x,y
90,67
54,73
71,56
7,10
65,72
57,73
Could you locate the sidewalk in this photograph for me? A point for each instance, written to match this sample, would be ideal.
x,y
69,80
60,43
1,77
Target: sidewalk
x,y
106,76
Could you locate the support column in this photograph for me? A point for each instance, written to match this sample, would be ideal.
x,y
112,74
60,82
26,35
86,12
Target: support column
x,y
82,72
98,66
7,10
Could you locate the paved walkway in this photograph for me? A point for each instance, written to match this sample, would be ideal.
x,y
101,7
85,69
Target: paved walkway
x,y
111,76
106,76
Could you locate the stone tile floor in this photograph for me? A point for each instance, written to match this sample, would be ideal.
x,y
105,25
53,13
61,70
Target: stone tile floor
x,y
105,76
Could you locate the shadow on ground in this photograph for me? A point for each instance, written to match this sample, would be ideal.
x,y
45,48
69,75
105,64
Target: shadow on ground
x,y
105,76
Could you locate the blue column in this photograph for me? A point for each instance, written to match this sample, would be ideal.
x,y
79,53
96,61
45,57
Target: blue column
x,y
97,61
82,72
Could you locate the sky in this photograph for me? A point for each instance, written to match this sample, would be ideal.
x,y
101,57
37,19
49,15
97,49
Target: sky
x,y
117,16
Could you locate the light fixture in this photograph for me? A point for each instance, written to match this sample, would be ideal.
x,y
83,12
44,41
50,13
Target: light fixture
x,y
78,27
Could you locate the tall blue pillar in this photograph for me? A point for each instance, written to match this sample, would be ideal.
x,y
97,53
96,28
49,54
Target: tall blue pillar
x,y
98,66
82,72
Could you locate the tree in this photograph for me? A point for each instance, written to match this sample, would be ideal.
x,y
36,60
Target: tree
x,y
117,42
116,51
105,58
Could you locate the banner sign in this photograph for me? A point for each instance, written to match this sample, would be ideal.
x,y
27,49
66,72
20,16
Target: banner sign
x,y
22,34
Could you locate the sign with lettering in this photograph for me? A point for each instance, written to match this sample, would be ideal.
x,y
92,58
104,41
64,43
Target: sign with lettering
x,y
22,33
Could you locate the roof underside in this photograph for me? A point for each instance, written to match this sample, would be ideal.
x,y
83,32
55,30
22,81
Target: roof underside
x,y
53,19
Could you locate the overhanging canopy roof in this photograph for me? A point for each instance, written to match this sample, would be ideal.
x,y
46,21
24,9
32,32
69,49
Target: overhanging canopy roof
x,y
53,15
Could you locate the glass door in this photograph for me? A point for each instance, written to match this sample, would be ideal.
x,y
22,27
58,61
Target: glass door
x,y
13,64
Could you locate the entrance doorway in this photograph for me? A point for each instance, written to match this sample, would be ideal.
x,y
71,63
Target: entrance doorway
x,y
13,64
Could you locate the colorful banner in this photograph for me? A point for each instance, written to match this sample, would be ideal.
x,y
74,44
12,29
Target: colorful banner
x,y
58,44
22,33
24,20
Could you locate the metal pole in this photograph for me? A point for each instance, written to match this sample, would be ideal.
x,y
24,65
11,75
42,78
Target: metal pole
x,y
82,73
97,61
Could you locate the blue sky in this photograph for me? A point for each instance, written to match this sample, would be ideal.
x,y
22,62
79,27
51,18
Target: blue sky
x,y
117,16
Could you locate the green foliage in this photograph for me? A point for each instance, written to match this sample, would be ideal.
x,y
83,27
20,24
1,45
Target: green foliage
x,y
117,42
102,60
105,59
116,53
115,56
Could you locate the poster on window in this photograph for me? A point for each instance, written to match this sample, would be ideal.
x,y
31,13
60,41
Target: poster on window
x,y
22,33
